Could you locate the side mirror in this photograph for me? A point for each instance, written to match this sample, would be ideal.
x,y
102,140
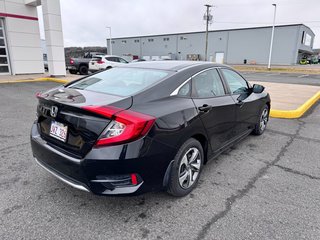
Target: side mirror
x,y
257,88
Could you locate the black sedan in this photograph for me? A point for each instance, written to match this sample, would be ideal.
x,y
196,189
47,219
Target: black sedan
x,y
145,126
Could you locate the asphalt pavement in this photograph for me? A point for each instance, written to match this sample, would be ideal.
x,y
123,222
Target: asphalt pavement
x,y
266,187
292,78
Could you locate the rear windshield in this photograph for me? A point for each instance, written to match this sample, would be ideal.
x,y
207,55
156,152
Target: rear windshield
x,y
96,58
120,81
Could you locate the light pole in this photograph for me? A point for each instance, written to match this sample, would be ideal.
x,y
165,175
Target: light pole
x,y
208,18
110,40
272,35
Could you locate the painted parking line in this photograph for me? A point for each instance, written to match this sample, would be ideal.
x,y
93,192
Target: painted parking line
x,y
246,73
302,76
272,74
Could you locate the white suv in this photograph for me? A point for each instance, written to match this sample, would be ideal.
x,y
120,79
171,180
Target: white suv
x,y
98,63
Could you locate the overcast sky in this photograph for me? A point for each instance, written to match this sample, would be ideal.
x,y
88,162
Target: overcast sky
x,y
84,22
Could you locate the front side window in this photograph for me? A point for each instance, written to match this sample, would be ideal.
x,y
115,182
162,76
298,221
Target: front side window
x,y
208,84
120,81
236,83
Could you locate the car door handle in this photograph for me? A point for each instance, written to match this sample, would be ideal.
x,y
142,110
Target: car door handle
x,y
205,108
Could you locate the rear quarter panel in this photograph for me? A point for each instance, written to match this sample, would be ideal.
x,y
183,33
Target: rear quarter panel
x,y
177,120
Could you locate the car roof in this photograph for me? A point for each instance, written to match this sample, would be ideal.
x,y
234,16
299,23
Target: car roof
x,y
104,55
171,65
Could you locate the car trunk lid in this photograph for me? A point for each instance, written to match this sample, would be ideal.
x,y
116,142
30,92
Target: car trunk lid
x,y
64,110
96,63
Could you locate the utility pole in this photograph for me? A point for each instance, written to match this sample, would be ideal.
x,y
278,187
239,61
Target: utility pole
x,y
208,18
272,35
110,41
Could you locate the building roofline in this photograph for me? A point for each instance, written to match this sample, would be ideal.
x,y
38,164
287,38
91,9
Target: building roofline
x,y
222,30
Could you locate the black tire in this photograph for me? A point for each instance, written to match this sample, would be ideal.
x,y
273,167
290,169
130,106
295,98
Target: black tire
x,y
180,169
83,70
109,67
73,71
261,125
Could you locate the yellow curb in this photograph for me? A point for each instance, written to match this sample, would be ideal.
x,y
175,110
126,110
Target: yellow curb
x,y
52,80
298,112
20,81
36,80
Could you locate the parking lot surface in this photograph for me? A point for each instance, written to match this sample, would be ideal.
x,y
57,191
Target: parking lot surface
x,y
265,187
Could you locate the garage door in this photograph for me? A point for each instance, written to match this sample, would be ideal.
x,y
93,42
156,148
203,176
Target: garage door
x,y
4,60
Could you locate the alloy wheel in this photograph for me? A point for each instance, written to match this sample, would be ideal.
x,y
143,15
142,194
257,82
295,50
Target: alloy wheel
x,y
189,168
264,119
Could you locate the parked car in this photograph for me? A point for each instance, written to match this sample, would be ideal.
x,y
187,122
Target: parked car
x,y
145,126
81,65
309,60
138,60
99,63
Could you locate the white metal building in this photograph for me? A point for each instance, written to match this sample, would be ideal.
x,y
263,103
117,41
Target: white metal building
x,y
230,46
20,44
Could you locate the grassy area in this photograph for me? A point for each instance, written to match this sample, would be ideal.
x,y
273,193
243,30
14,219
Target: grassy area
x,y
289,69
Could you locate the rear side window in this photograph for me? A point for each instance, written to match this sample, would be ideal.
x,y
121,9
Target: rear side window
x,y
122,60
185,90
112,59
120,81
208,84
236,83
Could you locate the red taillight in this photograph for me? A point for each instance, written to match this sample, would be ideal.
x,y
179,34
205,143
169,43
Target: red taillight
x,y
134,179
41,95
104,111
71,61
100,62
125,126
38,95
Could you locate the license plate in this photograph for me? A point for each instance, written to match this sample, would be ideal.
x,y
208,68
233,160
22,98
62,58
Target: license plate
x,y
58,131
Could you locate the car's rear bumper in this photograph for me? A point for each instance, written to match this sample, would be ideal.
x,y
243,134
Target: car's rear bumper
x,y
67,180
95,69
100,170
70,67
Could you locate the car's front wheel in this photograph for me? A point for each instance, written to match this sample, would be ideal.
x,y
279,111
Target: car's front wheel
x,y
261,125
186,168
